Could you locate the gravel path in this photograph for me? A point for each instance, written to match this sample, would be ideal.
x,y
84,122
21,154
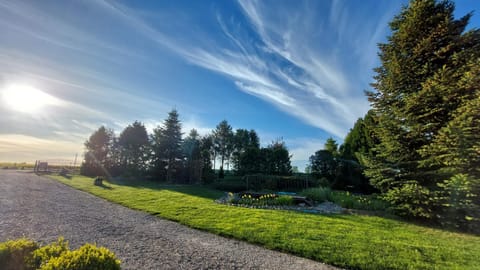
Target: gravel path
x,y
43,209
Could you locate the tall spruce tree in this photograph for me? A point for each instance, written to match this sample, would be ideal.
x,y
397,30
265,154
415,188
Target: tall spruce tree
x,y
193,155
167,147
415,94
223,141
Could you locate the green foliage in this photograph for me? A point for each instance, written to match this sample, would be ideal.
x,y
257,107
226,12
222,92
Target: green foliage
x,y
246,152
259,182
17,254
347,241
97,150
207,154
44,254
221,173
193,154
340,173
275,159
223,141
410,200
167,148
133,145
230,183
331,146
361,139
320,194
323,164
360,202
87,257
429,69
346,199
460,210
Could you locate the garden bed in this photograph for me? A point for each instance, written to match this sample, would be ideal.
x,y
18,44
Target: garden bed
x,y
276,201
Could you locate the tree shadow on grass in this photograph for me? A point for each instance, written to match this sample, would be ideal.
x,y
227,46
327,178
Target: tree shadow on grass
x,y
102,185
192,189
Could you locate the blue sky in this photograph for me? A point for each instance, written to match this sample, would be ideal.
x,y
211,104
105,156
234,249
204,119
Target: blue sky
x,y
288,69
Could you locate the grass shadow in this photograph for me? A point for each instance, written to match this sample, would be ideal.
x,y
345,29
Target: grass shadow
x,y
196,190
102,185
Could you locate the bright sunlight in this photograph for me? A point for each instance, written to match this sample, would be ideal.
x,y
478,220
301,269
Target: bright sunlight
x,y
27,99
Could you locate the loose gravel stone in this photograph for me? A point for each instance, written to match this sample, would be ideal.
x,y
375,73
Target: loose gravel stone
x,y
43,209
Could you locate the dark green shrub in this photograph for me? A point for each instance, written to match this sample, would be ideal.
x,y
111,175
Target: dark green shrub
x,y
17,254
259,182
320,194
87,257
98,181
360,202
230,183
221,173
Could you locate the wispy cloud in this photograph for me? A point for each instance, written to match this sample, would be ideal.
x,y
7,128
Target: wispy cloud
x,y
304,58
292,64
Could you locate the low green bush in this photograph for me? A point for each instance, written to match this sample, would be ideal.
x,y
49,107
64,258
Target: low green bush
x,y
346,199
17,254
320,194
278,183
230,183
87,257
24,254
43,255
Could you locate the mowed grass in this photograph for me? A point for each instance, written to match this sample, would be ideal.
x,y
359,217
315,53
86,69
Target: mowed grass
x,y
349,241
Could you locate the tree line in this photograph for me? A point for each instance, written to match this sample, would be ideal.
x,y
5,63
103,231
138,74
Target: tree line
x,y
167,155
419,145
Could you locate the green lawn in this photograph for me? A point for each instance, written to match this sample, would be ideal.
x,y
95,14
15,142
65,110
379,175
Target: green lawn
x,y
351,241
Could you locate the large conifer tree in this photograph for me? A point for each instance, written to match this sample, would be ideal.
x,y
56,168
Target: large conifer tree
x,y
167,146
416,91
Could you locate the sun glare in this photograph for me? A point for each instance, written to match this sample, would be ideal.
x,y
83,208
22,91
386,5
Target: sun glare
x,y
27,99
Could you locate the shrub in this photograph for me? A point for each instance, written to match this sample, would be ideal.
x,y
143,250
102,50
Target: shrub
x,y
283,200
43,255
24,254
17,254
273,182
87,257
320,194
98,181
359,202
346,199
457,200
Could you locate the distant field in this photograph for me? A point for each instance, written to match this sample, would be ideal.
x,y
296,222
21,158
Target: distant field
x,y
351,241
16,165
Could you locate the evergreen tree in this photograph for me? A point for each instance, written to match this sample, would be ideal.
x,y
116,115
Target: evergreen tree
x,y
360,140
207,152
415,93
134,145
331,146
97,159
167,147
275,159
223,141
192,153
246,151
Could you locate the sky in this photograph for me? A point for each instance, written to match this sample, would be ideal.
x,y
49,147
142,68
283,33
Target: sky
x,y
289,69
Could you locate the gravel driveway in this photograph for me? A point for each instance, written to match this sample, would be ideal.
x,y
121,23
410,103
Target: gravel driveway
x,y
43,209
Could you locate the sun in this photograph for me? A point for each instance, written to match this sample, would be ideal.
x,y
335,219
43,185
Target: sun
x,y
27,99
